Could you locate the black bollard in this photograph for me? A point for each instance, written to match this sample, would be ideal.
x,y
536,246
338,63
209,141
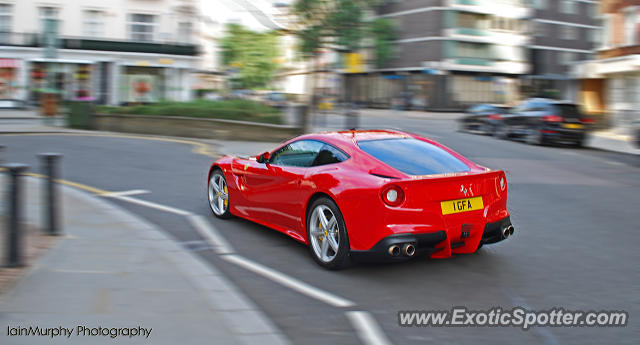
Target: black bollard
x,y
51,210
1,151
14,234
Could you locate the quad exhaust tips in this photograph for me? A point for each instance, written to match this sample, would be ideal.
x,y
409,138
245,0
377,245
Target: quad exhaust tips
x,y
407,249
508,231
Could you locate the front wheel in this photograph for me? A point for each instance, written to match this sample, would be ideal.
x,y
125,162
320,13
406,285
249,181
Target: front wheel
x,y
219,195
327,234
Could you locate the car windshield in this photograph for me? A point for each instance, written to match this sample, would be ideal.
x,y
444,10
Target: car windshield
x,y
413,156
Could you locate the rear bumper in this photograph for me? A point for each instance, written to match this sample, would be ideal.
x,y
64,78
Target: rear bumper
x,y
428,244
556,134
424,243
493,231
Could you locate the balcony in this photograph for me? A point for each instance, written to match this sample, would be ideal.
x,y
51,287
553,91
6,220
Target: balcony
x,y
619,51
15,39
471,32
473,61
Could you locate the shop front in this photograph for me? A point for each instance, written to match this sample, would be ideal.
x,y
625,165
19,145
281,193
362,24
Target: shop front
x,y
70,80
9,85
142,85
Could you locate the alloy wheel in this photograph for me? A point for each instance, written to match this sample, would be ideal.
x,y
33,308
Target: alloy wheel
x,y
324,233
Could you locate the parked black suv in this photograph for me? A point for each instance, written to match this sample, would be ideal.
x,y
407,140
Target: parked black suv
x,y
483,118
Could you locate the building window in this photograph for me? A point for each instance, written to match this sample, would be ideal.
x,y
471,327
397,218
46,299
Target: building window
x,y
472,50
93,23
184,32
539,29
569,32
46,13
606,31
631,26
595,37
5,18
142,27
568,6
540,4
567,58
594,10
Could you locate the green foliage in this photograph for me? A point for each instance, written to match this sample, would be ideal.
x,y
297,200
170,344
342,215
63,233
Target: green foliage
x,y
235,109
383,32
342,24
253,53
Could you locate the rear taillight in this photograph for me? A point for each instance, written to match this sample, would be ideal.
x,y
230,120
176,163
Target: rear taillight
x,y
495,117
392,195
552,118
587,121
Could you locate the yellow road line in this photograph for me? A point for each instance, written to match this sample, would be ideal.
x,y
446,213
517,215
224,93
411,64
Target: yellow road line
x,y
197,147
84,187
71,184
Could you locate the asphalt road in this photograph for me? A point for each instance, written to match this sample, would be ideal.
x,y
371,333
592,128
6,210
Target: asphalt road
x,y
576,243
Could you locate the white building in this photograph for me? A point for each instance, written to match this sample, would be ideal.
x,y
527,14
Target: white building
x,y
115,52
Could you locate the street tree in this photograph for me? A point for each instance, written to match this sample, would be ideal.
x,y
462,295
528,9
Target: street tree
x,y
342,26
252,54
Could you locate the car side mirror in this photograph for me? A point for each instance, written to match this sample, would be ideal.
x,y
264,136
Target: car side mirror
x,y
264,158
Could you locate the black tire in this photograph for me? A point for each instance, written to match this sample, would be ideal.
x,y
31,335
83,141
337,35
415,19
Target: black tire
x,y
217,173
342,258
535,137
501,132
579,143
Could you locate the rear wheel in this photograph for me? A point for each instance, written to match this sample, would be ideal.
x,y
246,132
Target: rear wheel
x,y
534,137
579,143
219,195
327,234
501,132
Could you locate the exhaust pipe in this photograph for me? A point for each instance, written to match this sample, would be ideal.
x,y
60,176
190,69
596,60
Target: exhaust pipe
x,y
409,249
508,231
394,250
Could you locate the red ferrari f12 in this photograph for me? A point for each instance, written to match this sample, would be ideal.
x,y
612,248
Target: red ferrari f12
x,y
366,194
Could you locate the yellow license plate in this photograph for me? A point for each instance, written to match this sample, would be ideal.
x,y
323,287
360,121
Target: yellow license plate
x,y
573,126
461,205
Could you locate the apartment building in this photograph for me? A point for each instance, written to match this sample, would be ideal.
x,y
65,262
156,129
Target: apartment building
x,y
449,54
610,84
564,32
112,52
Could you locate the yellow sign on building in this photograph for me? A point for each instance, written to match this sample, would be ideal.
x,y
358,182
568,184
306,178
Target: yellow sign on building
x,y
354,63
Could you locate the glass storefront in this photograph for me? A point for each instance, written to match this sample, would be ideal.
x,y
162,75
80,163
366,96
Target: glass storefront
x,y
72,81
8,83
142,84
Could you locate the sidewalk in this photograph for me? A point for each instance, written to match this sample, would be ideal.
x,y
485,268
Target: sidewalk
x,y
112,269
610,141
20,114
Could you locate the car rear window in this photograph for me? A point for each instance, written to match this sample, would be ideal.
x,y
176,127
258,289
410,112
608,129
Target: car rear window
x,y
569,111
413,156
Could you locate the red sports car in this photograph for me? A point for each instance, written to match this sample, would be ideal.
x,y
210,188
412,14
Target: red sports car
x,y
366,194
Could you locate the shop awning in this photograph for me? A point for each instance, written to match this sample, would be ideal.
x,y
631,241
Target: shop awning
x,y
9,63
